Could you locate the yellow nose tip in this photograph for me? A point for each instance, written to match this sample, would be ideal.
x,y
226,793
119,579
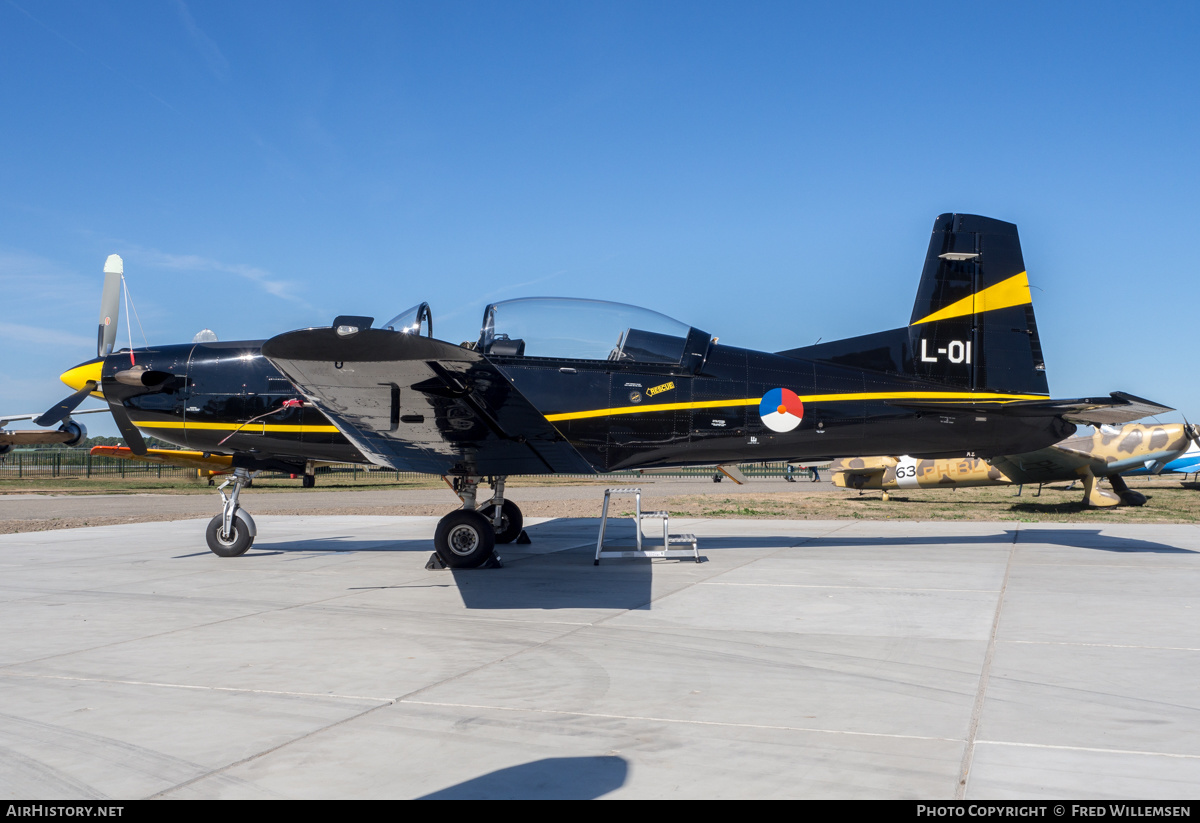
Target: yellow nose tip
x,y
78,377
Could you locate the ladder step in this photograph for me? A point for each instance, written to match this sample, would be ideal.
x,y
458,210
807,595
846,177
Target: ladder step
x,y
655,515
680,553
681,538
622,491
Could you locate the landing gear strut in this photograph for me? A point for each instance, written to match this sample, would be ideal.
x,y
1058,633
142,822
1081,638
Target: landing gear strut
x,y
232,532
504,515
467,538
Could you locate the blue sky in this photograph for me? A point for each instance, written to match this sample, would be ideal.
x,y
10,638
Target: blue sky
x,y
768,172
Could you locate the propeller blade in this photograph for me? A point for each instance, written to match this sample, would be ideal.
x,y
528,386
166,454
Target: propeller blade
x,y
1193,431
133,437
110,305
63,409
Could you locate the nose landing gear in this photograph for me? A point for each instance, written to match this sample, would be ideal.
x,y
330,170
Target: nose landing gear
x,y
232,532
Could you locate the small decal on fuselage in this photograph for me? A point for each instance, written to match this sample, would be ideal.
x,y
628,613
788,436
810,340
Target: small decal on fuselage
x,y
633,385
659,389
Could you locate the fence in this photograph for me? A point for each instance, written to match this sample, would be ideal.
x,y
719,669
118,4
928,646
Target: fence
x,y
50,463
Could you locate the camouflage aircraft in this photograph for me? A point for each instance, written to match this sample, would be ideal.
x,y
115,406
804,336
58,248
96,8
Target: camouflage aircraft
x,y
1107,453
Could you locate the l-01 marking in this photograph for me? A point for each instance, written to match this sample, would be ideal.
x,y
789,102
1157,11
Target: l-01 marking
x,y
956,351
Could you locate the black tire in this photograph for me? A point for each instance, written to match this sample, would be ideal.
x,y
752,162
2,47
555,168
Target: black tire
x,y
238,543
511,521
309,481
464,539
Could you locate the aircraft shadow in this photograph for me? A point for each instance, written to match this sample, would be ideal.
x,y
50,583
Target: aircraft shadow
x,y
1070,538
561,575
340,544
554,778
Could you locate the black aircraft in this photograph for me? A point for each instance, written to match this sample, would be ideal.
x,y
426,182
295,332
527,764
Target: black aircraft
x,y
581,386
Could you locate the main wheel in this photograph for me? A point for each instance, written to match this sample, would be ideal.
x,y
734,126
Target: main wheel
x,y
237,544
464,539
511,520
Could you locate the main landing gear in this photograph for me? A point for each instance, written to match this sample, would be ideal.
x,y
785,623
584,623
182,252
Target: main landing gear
x,y
232,532
467,538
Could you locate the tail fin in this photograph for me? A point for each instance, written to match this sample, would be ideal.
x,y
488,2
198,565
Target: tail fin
x,y
972,324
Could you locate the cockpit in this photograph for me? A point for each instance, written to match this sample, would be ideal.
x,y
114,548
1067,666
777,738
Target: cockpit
x,y
574,329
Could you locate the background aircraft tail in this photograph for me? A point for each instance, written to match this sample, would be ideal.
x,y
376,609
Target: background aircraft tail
x,y
972,324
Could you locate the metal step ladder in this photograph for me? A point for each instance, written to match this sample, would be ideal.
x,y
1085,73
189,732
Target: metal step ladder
x,y
669,539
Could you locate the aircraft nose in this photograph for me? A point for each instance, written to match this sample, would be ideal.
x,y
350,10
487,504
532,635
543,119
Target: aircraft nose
x,y
77,377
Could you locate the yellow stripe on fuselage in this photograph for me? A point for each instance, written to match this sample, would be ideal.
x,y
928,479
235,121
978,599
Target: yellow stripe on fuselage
x,y
1011,292
254,427
950,397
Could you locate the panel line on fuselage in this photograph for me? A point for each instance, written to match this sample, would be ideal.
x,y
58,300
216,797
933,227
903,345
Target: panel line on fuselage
x,y
810,398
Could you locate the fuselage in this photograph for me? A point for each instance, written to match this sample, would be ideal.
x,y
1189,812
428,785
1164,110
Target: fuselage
x,y
615,415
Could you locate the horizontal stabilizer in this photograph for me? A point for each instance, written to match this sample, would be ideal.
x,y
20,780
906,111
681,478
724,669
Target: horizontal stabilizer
x,y
1115,410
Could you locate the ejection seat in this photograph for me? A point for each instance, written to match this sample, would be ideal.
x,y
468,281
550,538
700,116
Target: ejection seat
x,y
507,347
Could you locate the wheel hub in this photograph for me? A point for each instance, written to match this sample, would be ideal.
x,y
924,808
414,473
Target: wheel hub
x,y
463,540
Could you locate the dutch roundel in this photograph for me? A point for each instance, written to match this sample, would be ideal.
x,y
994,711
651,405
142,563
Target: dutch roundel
x,y
781,410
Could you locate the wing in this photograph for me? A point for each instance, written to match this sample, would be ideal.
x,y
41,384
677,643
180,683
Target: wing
x,y
1188,463
5,419
1114,410
1046,465
417,404
170,457
35,437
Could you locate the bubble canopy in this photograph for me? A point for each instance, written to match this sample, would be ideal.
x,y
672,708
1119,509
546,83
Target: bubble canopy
x,y
563,327
417,320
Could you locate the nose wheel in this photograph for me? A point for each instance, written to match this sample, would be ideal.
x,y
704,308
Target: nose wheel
x,y
233,543
232,532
